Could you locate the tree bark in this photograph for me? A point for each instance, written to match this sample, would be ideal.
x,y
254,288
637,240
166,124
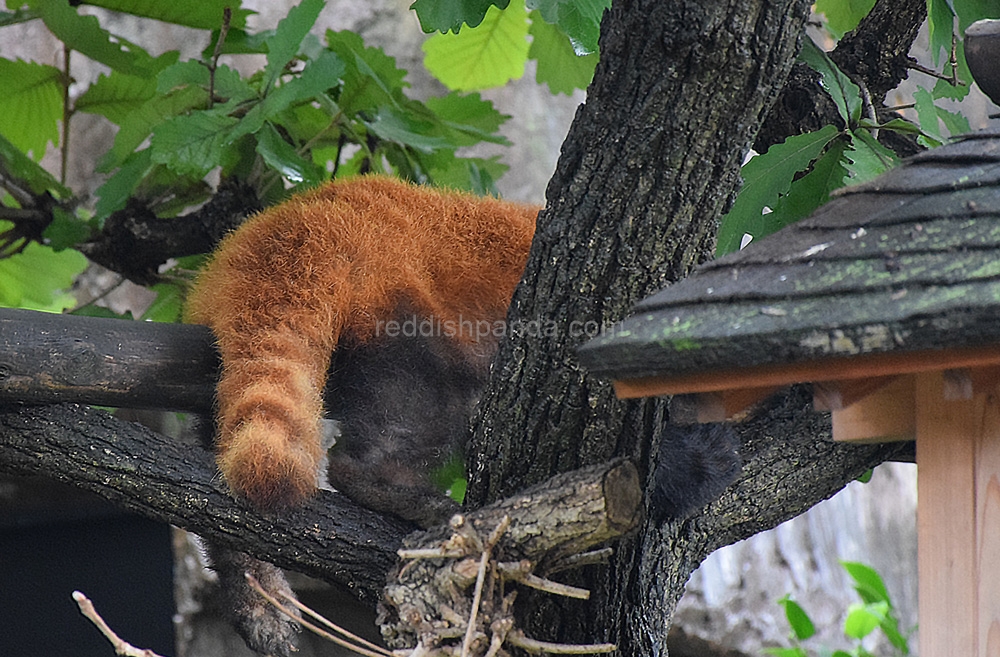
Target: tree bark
x,y
651,161
146,473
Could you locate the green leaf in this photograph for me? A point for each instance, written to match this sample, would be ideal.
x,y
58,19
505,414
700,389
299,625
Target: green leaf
x,y
487,56
37,277
468,118
476,175
450,478
317,76
228,83
954,122
863,619
31,106
119,188
85,35
940,27
168,304
138,125
927,116
559,66
371,78
445,15
580,20
765,178
280,156
65,230
18,165
192,145
845,94
786,652
403,128
896,125
802,626
867,582
283,45
866,158
118,95
204,14
842,16
812,190
970,11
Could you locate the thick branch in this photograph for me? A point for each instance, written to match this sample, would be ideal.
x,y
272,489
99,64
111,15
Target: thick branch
x,y
47,358
135,242
875,53
144,472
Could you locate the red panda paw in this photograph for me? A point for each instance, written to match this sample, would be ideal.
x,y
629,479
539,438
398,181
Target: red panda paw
x,y
263,466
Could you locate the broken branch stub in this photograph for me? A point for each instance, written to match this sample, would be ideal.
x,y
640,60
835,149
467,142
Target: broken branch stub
x,y
445,596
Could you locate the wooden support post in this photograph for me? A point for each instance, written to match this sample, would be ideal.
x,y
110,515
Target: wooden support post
x,y
958,524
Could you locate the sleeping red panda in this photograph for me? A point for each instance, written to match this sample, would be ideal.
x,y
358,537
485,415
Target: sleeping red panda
x,y
344,270
398,291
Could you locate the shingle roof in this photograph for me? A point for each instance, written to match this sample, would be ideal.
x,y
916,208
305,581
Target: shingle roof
x,y
909,261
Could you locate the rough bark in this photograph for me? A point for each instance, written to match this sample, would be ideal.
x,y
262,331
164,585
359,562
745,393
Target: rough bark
x,y
650,163
144,472
876,53
48,359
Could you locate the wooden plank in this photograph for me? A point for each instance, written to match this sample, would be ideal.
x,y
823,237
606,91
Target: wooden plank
x,y
887,414
730,404
827,369
945,521
838,395
988,526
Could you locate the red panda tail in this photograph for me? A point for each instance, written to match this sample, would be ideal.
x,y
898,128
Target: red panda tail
x,y
269,447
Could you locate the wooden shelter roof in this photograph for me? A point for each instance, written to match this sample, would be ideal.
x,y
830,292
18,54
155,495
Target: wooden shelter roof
x,y
905,264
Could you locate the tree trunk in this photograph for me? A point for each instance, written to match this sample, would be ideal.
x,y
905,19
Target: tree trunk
x,y
650,163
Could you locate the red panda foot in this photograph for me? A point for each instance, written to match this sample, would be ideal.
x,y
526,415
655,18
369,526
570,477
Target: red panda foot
x,y
263,467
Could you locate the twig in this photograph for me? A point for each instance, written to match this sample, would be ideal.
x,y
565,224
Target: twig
x,y
227,17
67,113
516,638
477,595
315,629
952,79
592,558
333,626
517,572
121,647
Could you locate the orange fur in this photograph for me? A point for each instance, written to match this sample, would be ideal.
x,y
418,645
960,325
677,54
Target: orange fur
x,y
325,267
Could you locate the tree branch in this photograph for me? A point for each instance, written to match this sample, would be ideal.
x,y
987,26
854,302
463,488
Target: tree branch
x,y
876,53
154,476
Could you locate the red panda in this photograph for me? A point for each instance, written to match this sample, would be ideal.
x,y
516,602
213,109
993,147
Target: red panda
x,y
348,267
400,291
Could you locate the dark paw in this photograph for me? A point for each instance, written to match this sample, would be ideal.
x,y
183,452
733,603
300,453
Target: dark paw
x,y
265,628
696,463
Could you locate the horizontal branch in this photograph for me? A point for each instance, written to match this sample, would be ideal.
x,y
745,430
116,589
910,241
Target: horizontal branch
x,y
46,358
146,473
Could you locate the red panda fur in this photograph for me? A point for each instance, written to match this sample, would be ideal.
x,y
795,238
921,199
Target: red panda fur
x,y
324,268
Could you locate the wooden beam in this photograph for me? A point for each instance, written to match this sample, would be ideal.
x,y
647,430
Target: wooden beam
x,y
823,369
887,414
958,523
838,395
730,404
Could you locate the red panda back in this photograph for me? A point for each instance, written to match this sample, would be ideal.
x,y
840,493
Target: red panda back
x,y
332,266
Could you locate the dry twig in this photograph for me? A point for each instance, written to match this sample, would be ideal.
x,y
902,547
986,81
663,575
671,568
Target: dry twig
x,y
121,646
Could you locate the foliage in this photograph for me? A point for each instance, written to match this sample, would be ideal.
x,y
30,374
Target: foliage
x,y
328,105
874,612
319,107
793,178
493,48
